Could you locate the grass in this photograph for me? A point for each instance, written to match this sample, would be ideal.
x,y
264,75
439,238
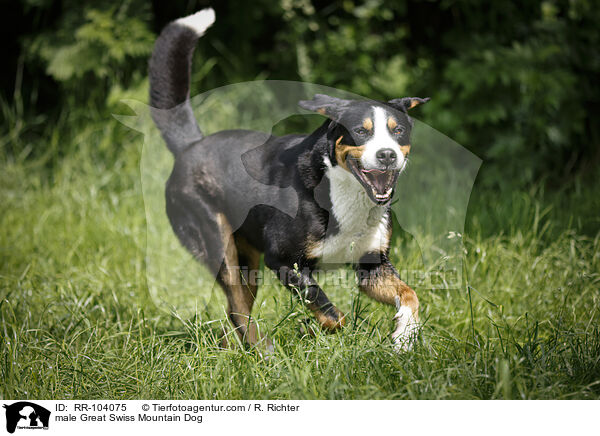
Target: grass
x,y
77,321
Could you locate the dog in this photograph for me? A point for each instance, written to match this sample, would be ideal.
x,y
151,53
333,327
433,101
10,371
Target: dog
x,y
344,176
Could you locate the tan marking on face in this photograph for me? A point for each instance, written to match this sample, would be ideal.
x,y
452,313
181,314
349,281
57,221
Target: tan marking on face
x,y
342,151
368,124
321,111
405,149
392,123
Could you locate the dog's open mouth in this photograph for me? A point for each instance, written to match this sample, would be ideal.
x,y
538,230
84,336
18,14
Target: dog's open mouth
x,y
379,184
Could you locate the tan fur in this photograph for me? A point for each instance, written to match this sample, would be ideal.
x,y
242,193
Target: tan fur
x,y
342,152
386,286
405,149
391,122
312,248
368,124
240,296
252,257
326,322
414,103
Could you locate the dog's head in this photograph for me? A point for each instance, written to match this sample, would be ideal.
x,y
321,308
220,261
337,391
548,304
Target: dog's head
x,y
369,139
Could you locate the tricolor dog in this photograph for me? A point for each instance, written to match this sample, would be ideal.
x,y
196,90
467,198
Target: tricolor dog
x,y
344,174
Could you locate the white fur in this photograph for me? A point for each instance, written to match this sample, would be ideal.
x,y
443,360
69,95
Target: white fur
x,y
200,21
406,329
362,224
382,138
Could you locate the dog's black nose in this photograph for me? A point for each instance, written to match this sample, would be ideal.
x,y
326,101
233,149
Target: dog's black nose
x,y
386,156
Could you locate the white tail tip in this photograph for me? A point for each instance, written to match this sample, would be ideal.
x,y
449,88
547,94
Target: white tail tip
x,y
198,22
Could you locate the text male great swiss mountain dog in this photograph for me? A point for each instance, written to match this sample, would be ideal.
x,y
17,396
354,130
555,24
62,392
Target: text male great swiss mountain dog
x,y
355,158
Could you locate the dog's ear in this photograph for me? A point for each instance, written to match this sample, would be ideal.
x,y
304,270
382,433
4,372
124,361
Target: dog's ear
x,y
407,103
326,105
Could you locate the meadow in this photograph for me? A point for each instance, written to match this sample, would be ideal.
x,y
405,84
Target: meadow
x,y
77,320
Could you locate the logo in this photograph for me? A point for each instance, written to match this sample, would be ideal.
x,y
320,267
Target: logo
x,y
26,415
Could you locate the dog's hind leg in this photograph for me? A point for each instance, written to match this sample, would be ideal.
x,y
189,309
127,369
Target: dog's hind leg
x,y
197,228
249,262
239,291
208,236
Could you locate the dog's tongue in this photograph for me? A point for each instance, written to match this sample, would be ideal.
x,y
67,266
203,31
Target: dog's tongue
x,y
379,179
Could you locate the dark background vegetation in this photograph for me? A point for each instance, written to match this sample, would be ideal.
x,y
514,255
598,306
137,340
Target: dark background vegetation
x,y
514,82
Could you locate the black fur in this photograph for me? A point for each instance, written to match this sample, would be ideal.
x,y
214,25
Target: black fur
x,y
170,69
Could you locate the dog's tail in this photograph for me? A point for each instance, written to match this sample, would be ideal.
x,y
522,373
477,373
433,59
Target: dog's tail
x,y
170,70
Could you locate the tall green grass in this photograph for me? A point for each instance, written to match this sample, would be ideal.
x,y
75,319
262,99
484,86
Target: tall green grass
x,y
76,319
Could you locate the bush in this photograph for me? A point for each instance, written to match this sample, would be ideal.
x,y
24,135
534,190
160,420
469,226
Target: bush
x,y
515,82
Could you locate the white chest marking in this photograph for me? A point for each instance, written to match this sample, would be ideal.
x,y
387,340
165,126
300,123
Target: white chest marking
x,y
362,225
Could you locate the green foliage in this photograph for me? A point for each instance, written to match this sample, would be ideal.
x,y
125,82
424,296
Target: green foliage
x,y
351,46
515,82
512,82
523,100
107,48
102,47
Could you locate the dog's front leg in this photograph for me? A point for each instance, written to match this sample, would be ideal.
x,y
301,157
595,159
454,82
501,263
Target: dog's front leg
x,y
329,316
381,281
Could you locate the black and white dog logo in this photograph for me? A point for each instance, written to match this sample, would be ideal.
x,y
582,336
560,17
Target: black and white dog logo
x,y
26,415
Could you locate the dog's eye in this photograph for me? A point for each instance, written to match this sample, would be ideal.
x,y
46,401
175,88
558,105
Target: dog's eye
x,y
360,131
398,130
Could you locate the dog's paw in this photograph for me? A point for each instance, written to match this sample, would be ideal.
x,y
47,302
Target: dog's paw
x,y
331,320
406,329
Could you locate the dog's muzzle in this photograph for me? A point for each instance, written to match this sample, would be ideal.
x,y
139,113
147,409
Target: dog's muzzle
x,y
379,183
